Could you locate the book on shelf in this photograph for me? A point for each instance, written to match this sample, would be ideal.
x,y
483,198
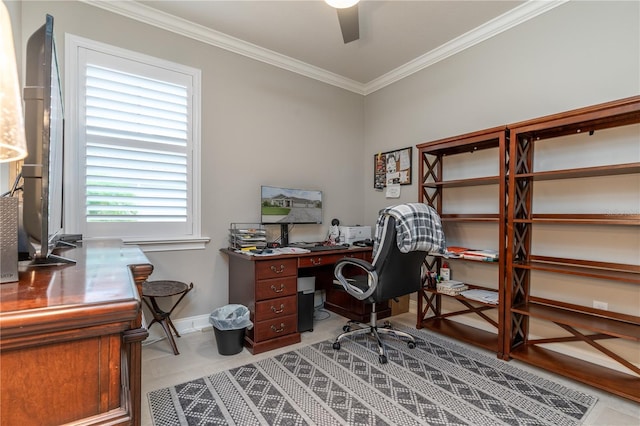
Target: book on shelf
x,y
484,296
454,251
479,258
451,287
493,254
457,252
451,283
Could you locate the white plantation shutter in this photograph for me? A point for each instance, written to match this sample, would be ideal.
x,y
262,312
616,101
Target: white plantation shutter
x,y
135,140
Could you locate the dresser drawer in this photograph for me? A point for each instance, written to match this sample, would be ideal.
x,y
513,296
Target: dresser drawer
x,y
276,327
276,268
276,308
279,287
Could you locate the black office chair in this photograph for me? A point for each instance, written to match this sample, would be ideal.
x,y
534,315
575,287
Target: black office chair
x,y
404,236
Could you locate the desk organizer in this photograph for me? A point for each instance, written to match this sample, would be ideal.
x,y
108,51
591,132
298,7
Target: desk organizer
x,y
246,235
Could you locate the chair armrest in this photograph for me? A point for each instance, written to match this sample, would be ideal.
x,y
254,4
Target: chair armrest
x,y
355,291
363,264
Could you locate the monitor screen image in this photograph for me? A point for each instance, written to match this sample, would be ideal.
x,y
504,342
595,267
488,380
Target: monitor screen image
x,y
290,206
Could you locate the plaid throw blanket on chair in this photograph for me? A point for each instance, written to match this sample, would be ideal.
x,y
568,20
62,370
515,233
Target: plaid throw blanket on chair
x,y
418,228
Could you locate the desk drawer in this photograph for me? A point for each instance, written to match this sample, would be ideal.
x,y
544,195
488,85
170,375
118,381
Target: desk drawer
x,y
276,268
325,259
276,308
279,287
277,327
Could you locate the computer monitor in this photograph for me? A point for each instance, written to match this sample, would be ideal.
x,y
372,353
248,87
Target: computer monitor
x,y
288,206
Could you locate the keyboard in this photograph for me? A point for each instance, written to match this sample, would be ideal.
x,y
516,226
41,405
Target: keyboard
x,y
325,248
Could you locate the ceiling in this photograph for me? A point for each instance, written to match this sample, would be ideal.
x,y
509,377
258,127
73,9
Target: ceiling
x,y
396,37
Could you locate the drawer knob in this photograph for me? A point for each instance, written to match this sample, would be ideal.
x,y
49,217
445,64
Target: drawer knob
x,y
277,270
278,330
278,290
317,261
278,311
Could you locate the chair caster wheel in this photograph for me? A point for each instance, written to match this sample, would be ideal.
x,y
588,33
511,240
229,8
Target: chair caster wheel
x,y
346,329
411,345
387,324
336,346
383,359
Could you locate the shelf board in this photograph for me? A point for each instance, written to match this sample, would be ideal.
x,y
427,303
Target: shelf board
x,y
480,217
584,219
470,142
479,181
584,172
460,297
468,334
600,270
598,324
466,259
617,113
616,382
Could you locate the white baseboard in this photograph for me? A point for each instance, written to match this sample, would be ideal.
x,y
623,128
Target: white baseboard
x,y
183,325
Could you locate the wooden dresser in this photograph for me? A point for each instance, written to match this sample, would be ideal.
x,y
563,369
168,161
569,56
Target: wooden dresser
x,y
70,339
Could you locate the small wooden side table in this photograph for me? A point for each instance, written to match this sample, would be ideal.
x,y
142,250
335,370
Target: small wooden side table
x,y
153,289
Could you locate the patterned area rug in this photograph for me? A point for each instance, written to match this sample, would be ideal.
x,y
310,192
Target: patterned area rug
x,y
438,383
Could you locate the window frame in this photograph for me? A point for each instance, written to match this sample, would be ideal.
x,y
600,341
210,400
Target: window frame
x,y
74,180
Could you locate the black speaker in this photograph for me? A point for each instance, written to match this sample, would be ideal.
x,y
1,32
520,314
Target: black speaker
x,y
305,311
9,239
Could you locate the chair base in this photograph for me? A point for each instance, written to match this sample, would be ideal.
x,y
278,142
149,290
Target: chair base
x,y
374,331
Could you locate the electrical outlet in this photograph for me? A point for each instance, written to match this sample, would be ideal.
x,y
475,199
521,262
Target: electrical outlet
x,y
600,305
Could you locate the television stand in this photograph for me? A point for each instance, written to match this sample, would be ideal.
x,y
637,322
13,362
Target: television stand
x,y
284,235
71,340
52,260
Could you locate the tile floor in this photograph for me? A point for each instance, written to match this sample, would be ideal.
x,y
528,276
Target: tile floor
x,y
199,357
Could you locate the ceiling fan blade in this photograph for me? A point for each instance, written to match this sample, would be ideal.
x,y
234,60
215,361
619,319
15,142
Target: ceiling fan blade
x,y
349,23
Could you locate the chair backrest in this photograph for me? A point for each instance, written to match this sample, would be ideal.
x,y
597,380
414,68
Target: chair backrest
x,y
398,273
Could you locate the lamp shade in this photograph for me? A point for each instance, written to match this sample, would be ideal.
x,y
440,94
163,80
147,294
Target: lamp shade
x,y
341,4
13,145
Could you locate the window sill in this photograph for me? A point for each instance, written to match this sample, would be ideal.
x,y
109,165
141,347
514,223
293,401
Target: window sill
x,y
170,245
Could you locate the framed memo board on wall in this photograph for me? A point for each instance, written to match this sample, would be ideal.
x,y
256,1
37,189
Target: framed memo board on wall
x,y
392,167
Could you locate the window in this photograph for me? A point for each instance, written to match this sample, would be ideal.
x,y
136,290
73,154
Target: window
x,y
132,146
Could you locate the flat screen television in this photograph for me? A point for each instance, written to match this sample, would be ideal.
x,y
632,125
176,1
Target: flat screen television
x,y
287,206
42,170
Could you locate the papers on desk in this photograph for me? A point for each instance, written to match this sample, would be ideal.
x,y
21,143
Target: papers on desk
x,y
291,250
274,251
484,296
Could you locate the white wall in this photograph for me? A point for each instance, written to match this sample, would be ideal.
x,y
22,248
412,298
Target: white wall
x,y
264,125
578,54
260,125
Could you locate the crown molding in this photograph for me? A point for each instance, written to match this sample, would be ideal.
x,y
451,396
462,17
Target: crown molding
x,y
150,16
510,19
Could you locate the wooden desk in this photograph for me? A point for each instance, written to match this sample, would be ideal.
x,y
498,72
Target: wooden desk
x,y
267,285
70,339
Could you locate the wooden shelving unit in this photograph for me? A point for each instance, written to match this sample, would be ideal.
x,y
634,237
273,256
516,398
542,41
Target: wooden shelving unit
x,y
431,313
575,323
